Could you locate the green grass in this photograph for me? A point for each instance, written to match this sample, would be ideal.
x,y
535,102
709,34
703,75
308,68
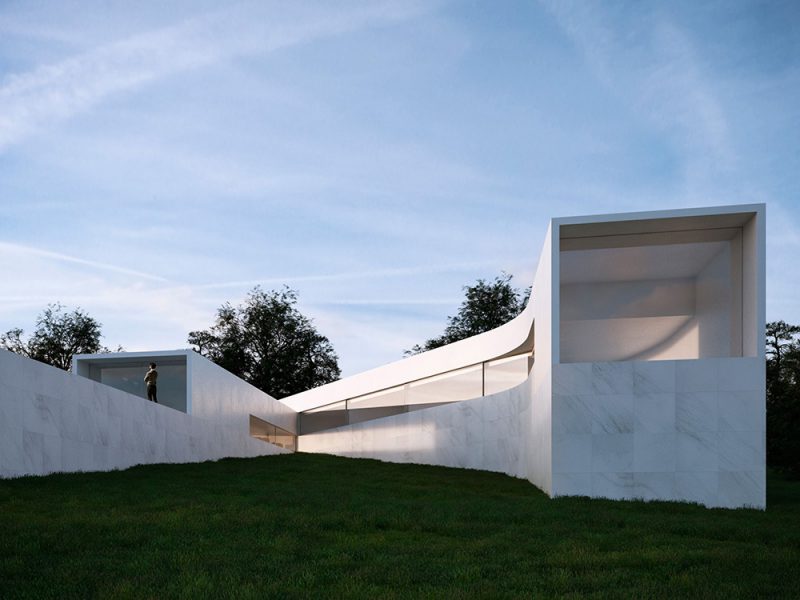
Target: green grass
x,y
307,525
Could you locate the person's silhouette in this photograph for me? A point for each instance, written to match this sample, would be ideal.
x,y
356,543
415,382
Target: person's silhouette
x,y
150,380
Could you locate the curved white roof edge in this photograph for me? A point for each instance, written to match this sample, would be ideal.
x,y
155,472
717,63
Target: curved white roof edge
x,y
514,336
510,338
504,340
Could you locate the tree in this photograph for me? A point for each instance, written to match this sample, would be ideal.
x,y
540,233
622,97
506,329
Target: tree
x,y
780,340
267,342
58,336
486,306
783,396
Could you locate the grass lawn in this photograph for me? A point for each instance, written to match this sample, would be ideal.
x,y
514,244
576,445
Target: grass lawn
x,y
312,525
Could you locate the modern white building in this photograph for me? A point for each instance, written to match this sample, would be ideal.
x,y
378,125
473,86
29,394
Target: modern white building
x,y
635,371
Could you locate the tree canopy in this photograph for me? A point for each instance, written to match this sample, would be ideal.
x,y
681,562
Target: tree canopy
x,y
267,342
783,395
486,305
57,337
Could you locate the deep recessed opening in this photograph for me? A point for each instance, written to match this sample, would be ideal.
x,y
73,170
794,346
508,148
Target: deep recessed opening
x,y
664,289
267,432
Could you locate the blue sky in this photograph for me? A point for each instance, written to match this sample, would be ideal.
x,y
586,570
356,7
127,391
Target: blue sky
x,y
158,159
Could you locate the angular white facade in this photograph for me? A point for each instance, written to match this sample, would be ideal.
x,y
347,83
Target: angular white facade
x,y
189,383
647,381
635,371
53,421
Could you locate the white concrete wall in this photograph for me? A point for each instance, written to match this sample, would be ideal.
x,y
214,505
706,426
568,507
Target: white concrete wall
x,y
537,447
627,299
754,250
689,430
645,320
669,319
54,421
218,395
485,433
714,305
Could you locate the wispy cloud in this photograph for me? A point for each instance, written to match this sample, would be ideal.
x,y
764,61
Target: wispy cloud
x,y
676,92
9,251
384,339
374,274
654,66
392,302
57,91
371,159
15,27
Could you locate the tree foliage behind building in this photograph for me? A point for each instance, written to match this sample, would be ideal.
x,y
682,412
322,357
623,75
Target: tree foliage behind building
x,y
58,336
267,342
486,306
783,396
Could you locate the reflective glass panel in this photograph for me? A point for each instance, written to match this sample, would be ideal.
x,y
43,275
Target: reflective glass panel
x,y
462,384
171,382
505,373
392,397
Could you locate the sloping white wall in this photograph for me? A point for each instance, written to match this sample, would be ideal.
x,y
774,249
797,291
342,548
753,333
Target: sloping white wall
x,y
754,290
54,421
646,320
714,306
509,432
537,439
485,433
218,395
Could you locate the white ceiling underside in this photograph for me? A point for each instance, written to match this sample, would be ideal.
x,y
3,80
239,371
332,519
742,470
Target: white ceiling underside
x,y
637,263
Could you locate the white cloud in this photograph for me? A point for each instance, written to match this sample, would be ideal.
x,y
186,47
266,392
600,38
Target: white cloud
x,y
391,302
367,341
17,252
53,92
656,69
375,274
676,92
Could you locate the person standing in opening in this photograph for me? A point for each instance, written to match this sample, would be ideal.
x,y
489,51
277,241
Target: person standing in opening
x,y
150,381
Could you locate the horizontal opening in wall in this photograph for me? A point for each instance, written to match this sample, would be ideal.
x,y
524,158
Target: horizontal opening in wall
x,y
466,383
267,432
127,373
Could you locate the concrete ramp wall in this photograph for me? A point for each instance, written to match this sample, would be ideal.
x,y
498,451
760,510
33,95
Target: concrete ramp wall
x,y
487,433
53,421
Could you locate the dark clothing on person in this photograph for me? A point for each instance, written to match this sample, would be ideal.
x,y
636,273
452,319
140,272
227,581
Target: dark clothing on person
x,y
151,393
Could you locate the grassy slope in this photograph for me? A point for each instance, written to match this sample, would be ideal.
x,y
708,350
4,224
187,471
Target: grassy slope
x,y
314,525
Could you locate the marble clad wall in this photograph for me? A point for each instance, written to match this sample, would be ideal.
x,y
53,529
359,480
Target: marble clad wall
x,y
689,430
486,433
538,442
53,421
692,430
220,396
